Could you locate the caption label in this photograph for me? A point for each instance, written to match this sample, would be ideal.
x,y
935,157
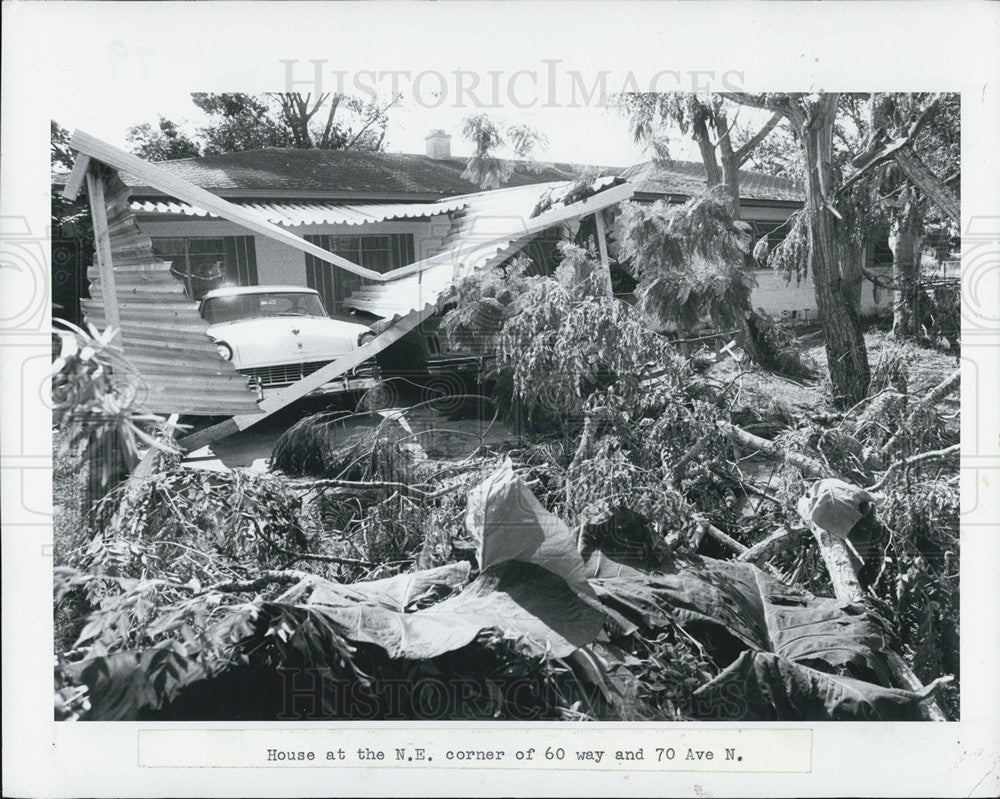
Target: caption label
x,y
658,749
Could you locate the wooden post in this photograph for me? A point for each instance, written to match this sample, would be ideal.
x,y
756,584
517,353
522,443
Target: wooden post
x,y
102,241
602,246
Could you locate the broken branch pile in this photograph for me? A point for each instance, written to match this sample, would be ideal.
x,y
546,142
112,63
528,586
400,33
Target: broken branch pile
x,y
649,559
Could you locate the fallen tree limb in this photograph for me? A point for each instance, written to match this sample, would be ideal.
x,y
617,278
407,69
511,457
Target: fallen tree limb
x,y
847,588
808,465
840,566
723,538
266,578
935,395
778,542
923,457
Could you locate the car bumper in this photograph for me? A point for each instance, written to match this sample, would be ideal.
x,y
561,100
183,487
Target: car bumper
x,y
269,381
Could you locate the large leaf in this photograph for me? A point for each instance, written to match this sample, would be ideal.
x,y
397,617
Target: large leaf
x,y
400,591
522,600
761,686
762,612
509,523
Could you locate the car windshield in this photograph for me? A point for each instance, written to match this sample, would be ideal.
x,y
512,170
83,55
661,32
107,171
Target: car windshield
x,y
216,310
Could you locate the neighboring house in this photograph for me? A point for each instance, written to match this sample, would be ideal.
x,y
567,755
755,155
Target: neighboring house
x,y
766,203
388,210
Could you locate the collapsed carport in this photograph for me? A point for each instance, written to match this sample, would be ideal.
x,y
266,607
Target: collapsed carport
x,y
160,332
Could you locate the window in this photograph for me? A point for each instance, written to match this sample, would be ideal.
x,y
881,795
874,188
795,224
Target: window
x,y
381,253
775,232
218,310
205,263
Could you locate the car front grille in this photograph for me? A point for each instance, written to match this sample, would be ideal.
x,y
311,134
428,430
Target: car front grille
x,y
288,373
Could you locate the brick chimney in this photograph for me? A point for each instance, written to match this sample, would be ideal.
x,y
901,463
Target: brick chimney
x,y
438,144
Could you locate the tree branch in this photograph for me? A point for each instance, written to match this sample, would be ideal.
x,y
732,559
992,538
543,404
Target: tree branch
x,y
925,115
808,465
938,393
747,149
913,460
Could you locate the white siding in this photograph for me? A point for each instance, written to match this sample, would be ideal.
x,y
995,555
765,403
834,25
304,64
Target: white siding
x,y
781,298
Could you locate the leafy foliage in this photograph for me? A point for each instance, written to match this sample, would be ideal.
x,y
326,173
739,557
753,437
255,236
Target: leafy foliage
x,y
490,136
791,255
566,339
689,261
239,121
163,143
97,407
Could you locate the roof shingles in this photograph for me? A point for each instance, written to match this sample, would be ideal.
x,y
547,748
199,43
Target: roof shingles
x,y
339,175
346,173
688,178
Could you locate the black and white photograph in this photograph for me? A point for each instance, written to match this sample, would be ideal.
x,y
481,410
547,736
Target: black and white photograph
x,y
516,396
343,432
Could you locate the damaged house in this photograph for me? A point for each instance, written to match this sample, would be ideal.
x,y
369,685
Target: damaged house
x,y
379,237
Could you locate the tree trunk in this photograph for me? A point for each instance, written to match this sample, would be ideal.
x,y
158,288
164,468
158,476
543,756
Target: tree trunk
x,y
730,166
846,355
906,275
699,132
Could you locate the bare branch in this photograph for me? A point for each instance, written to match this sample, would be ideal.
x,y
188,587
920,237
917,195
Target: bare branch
x,y
747,149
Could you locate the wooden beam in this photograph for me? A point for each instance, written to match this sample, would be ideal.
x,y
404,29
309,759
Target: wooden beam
x,y
602,246
309,383
74,183
102,241
159,178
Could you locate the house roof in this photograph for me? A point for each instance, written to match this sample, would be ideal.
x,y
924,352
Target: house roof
x,y
333,174
687,178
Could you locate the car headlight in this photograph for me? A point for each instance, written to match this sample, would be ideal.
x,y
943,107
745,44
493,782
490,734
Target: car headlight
x,y
365,337
224,350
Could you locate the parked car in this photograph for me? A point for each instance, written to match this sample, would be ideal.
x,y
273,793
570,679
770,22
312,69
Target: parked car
x,y
276,335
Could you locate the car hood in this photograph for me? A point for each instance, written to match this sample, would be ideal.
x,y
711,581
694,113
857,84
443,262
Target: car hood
x,y
287,339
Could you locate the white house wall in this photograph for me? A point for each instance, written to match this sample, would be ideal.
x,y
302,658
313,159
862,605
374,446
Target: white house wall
x,y
797,300
278,264
794,300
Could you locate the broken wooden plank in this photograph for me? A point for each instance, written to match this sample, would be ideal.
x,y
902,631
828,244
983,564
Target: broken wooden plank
x,y
602,246
74,183
102,241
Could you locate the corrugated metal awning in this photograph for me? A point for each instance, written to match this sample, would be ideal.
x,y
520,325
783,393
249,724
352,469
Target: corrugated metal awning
x,y
293,214
493,226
